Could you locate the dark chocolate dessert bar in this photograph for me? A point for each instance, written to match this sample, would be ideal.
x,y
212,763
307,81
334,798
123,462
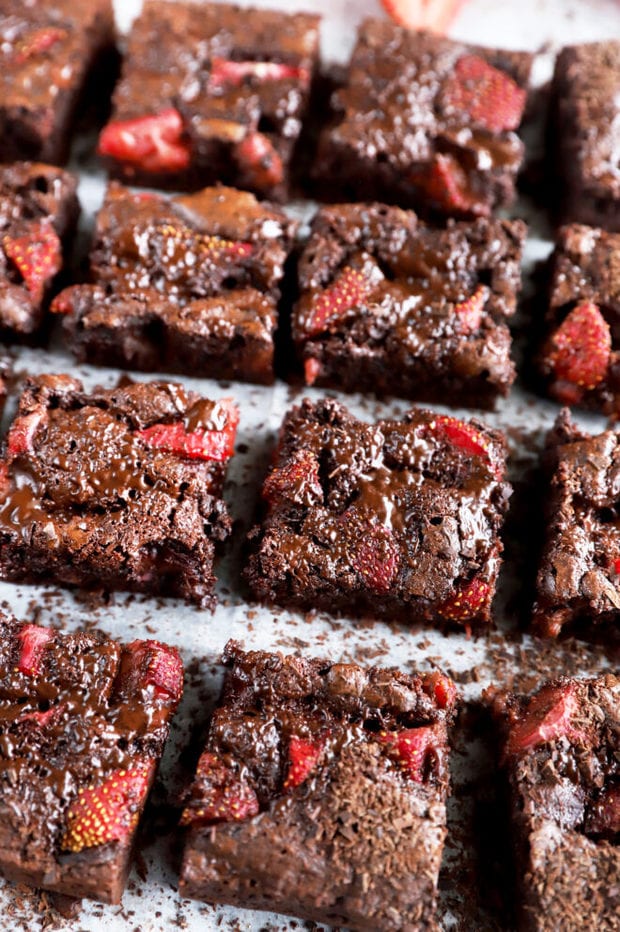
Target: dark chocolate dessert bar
x,y
119,488
49,48
399,519
391,305
38,214
322,792
425,122
187,284
584,132
83,723
211,92
561,755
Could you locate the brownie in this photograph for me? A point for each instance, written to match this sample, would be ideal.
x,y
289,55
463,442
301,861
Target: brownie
x,y
321,792
38,215
580,358
49,50
189,284
584,143
561,758
83,723
119,488
425,122
211,92
391,305
398,519
579,577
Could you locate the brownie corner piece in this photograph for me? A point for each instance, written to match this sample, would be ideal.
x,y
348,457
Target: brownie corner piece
x,y
560,756
584,116
84,721
398,519
49,52
321,792
425,122
212,92
39,210
120,488
578,583
580,358
185,284
395,306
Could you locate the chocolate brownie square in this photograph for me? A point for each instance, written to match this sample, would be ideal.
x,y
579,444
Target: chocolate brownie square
x,y
561,757
584,132
49,50
83,723
580,359
321,792
119,488
391,305
398,519
579,577
211,92
188,284
425,122
38,214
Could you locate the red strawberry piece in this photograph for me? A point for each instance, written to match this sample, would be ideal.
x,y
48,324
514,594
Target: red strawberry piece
x,y
312,369
469,312
43,719
303,756
107,811
202,443
63,302
5,481
223,796
467,601
216,248
549,716
579,351
349,289
226,73
376,557
617,566
410,748
37,256
38,42
440,687
465,437
151,663
155,143
33,640
297,480
259,161
446,186
487,95
22,432
604,816
423,14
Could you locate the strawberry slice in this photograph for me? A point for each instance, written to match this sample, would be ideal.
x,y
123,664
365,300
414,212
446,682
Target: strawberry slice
x,y
63,302
487,95
259,161
154,143
467,601
440,687
214,248
227,73
446,187
465,437
38,42
222,795
469,312
604,816
548,717
37,256
579,351
108,811
33,640
312,369
423,14
349,289
43,719
151,663
410,748
22,433
375,555
303,756
201,443
297,480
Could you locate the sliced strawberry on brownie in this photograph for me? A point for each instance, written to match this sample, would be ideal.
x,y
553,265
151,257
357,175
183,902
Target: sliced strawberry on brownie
x,y
303,757
33,640
219,794
488,96
215,442
151,664
469,601
36,254
578,353
411,748
469,312
297,480
464,436
226,73
349,289
447,187
155,142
